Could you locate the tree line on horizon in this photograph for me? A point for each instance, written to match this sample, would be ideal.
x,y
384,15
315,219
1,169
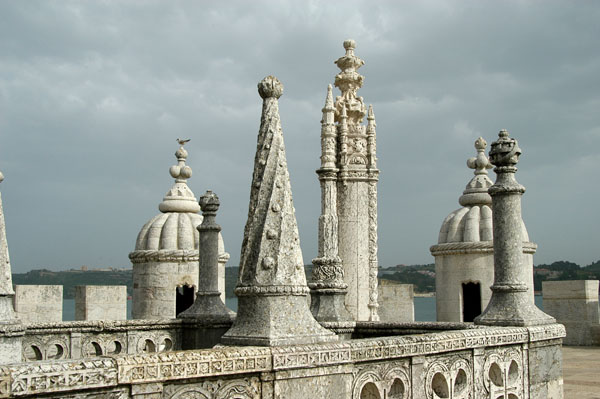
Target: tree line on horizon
x,y
421,276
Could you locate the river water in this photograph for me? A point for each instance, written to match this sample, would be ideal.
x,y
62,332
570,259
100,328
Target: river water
x,y
424,307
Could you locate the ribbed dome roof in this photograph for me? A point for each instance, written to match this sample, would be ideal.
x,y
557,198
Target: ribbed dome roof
x,y
171,231
473,222
175,227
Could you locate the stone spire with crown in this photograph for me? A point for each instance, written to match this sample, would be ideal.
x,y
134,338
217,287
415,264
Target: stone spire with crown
x,y
271,288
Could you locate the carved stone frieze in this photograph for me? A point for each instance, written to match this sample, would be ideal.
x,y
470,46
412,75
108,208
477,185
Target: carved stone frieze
x,y
242,388
192,364
390,380
48,377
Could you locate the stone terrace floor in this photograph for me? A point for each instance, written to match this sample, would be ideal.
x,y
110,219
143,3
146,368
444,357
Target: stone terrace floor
x,y
581,372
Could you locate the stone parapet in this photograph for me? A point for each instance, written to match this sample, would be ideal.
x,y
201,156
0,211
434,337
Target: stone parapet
x,y
473,362
575,305
38,303
101,302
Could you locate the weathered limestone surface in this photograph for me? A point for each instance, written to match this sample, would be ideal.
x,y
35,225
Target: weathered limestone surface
x,y
101,302
166,251
512,302
521,362
271,288
396,301
39,303
575,305
11,329
328,288
357,175
465,249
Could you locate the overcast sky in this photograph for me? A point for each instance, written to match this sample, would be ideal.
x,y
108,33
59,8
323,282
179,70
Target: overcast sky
x,y
94,94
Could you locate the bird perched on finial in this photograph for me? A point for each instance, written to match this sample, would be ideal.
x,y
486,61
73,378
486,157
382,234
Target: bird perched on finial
x,y
182,142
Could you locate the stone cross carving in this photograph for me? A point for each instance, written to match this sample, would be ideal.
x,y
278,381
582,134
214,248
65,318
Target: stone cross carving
x,y
272,306
510,304
208,306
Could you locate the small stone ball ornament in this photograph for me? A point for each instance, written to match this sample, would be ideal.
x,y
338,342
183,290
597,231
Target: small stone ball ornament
x,y
270,87
1,177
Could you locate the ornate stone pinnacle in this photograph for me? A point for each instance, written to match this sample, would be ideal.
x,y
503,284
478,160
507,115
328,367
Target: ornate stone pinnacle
x,y
270,87
329,100
476,192
180,198
511,303
349,81
272,306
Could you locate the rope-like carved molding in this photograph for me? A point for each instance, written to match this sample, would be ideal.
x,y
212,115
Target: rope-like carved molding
x,y
170,255
274,290
163,255
97,326
477,247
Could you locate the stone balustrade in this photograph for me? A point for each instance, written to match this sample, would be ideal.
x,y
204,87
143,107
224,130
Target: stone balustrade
x,y
472,362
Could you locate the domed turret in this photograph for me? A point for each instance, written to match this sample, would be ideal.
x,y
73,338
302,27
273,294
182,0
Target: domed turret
x,y
165,259
464,254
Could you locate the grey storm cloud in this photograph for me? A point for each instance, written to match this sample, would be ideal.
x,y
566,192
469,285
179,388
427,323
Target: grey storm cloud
x,y
93,95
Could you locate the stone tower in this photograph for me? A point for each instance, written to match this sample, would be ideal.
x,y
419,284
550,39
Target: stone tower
x,y
165,259
351,150
464,254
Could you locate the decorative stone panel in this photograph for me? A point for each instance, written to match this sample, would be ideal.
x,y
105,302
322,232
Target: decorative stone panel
x,y
449,377
389,380
241,388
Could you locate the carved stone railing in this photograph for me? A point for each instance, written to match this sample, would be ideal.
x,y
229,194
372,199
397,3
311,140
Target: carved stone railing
x,y
83,339
479,362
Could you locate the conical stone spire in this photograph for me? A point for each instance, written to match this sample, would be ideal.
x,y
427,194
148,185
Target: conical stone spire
x,y
7,312
272,307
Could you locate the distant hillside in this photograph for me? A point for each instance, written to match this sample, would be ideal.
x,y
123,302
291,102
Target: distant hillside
x,y
71,278
422,276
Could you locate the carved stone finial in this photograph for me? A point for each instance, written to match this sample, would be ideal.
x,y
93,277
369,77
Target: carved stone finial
x,y
209,202
270,87
1,177
180,198
505,151
476,192
271,288
349,81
